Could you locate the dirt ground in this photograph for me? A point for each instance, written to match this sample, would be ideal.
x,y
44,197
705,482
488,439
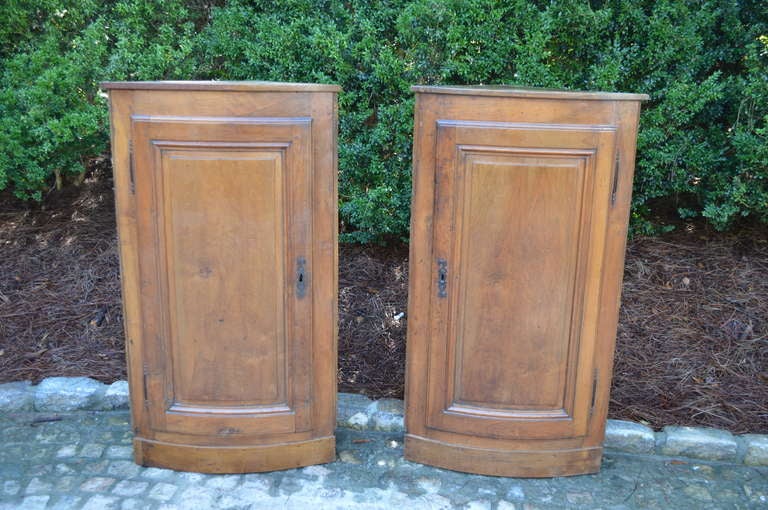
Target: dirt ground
x,y
692,345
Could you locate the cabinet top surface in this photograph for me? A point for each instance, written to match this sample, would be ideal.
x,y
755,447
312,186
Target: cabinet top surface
x,y
523,92
243,86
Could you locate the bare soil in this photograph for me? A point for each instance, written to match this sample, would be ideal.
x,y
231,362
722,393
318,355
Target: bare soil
x,y
692,346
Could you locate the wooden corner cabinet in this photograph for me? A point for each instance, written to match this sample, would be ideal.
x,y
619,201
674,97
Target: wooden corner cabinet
x,y
227,221
519,219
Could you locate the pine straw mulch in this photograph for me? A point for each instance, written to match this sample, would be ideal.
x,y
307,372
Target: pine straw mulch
x,y
692,343
59,285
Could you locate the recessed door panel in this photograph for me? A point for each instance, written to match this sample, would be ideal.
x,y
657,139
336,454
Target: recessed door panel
x,y
517,252
227,275
519,260
222,216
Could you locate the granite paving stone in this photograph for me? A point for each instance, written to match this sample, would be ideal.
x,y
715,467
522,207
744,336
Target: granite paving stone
x,y
64,469
97,484
116,396
224,482
66,502
119,452
33,503
710,444
100,502
163,491
130,488
369,474
756,449
358,421
95,467
15,396
133,504
37,486
11,487
349,404
629,437
65,483
154,473
66,451
123,468
91,450
68,394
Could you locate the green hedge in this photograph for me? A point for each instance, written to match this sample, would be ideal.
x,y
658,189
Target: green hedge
x,y
703,143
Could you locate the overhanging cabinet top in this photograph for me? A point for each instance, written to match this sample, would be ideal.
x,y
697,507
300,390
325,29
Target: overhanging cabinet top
x,y
230,86
528,93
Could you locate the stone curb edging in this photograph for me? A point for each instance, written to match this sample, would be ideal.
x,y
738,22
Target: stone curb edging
x,y
359,412
65,394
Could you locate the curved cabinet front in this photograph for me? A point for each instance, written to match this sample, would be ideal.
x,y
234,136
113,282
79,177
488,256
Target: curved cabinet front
x,y
226,214
517,233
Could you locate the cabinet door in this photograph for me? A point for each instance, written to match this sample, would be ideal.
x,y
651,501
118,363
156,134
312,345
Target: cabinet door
x,y
224,232
519,232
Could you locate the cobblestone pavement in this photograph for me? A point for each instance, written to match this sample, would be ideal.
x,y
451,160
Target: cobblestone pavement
x,y
83,461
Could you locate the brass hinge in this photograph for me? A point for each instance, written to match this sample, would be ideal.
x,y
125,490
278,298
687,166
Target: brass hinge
x,y
130,168
145,374
595,380
615,185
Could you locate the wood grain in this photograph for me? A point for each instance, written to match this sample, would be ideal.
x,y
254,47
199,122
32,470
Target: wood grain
x,y
513,193
217,207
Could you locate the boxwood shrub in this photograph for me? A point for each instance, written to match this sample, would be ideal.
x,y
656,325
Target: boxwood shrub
x,y
703,141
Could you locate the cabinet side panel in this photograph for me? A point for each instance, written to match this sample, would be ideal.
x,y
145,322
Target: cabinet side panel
x,y
324,280
120,106
419,261
626,117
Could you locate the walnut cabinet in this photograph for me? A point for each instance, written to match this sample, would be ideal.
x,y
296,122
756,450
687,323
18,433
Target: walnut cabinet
x,y
519,219
226,206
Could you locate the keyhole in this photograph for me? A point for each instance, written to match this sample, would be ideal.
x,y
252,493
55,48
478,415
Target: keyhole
x,y
442,277
300,282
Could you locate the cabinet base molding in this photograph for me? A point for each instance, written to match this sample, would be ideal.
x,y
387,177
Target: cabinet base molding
x,y
234,459
497,462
